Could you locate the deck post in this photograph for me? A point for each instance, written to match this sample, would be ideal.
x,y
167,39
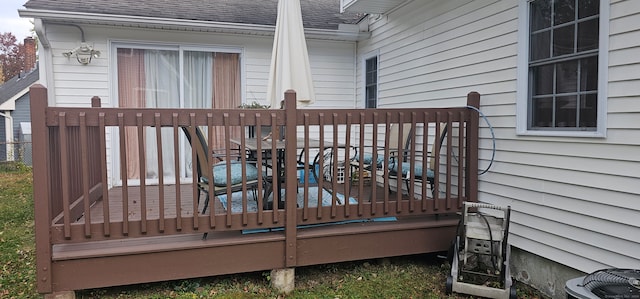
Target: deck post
x,y
61,295
283,280
41,172
291,178
471,190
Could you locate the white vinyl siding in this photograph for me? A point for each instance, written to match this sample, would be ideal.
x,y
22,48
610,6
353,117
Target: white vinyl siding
x,y
332,69
332,63
418,63
72,84
575,200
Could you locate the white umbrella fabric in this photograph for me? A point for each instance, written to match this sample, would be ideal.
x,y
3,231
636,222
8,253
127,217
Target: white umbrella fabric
x,y
289,59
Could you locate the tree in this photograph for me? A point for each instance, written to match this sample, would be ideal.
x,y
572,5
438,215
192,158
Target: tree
x,y
12,56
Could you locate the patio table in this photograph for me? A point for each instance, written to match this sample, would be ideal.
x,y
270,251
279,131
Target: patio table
x,y
251,144
266,146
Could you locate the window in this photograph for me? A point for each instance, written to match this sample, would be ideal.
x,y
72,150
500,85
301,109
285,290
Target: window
x,y
371,82
563,66
172,77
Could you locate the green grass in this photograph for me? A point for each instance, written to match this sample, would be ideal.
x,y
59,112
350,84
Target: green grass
x,y
17,249
421,276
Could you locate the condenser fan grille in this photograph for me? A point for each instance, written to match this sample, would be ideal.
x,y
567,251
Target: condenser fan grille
x,y
621,283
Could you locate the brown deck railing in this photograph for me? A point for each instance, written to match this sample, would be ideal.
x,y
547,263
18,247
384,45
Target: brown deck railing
x,y
82,218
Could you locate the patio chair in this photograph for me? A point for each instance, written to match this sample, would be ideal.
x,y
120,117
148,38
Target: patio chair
x,y
218,172
398,159
400,166
367,156
329,165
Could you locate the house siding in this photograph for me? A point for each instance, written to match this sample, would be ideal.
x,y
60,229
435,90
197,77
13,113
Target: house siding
x,y
3,138
332,64
21,114
574,200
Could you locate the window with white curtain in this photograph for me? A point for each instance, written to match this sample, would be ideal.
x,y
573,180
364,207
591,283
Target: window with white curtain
x,y
172,77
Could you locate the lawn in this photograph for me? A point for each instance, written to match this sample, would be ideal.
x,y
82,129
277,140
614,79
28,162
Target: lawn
x,y
421,276
17,249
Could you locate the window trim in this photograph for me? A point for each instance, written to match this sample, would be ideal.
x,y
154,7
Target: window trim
x,y
522,85
365,57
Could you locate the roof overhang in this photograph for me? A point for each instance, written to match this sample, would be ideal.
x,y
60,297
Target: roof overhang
x,y
345,32
10,104
370,6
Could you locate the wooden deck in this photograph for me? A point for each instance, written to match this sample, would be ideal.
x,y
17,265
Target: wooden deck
x,y
89,235
116,197
152,199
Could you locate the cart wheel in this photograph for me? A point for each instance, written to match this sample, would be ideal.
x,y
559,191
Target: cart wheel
x,y
451,252
449,285
512,292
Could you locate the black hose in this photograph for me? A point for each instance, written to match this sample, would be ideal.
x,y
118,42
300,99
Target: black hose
x,y
493,257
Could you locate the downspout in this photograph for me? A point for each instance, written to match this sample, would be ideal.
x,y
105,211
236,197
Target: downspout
x,y
46,71
356,103
8,127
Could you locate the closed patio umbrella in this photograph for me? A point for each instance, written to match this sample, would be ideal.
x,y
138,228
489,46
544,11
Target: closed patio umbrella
x,y
289,59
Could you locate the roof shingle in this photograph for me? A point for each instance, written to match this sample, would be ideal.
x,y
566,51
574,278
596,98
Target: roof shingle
x,y
17,84
319,14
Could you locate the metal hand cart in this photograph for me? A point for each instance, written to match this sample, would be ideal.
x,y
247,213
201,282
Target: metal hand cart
x,y
480,263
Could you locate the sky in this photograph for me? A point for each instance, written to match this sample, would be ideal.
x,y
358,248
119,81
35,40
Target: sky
x,y
11,22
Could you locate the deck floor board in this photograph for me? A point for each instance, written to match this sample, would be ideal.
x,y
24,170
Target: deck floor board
x,y
152,194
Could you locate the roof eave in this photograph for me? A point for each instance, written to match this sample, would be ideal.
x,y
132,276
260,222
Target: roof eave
x,y
10,103
344,33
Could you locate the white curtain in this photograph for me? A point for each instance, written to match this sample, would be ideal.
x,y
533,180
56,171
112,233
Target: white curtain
x,y
198,88
131,93
162,91
198,78
151,78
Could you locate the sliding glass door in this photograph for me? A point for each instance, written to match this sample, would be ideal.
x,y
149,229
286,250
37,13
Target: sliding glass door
x,y
170,77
